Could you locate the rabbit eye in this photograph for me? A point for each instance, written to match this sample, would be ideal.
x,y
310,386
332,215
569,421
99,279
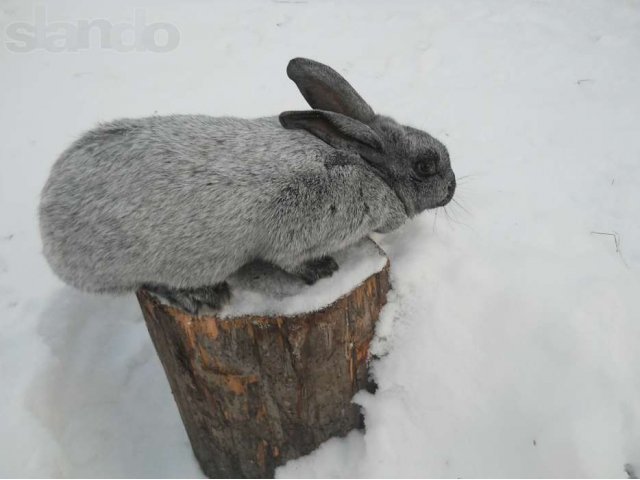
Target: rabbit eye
x,y
426,166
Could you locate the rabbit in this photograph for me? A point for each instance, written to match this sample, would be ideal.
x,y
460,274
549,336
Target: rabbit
x,y
178,203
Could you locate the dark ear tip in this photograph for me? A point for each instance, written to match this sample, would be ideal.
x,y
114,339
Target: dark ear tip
x,y
296,65
285,119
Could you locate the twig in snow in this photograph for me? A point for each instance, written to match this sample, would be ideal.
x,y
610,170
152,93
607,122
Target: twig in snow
x,y
616,240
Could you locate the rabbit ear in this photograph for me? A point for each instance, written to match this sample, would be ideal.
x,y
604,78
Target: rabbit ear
x,y
337,130
326,89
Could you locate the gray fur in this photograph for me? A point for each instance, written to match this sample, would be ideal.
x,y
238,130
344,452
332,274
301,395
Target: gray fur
x,y
184,201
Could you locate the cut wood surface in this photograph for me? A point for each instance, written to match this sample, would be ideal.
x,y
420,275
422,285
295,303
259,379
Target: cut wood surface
x,y
255,391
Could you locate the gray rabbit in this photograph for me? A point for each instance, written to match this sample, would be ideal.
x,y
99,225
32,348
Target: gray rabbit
x,y
179,203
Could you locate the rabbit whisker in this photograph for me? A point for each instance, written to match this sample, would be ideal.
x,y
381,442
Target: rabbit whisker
x,y
461,206
454,220
469,176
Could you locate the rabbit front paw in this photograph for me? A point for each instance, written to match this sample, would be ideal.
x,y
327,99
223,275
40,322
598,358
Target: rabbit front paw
x,y
195,301
313,270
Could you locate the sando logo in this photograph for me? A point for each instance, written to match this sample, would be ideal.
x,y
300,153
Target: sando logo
x,y
59,36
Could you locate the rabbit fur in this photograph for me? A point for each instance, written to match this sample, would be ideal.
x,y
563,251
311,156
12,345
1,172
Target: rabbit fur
x,y
181,202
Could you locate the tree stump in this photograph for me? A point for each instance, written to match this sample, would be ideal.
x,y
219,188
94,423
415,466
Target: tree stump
x,y
259,385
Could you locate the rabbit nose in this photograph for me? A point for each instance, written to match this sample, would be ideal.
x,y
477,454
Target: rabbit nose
x,y
451,188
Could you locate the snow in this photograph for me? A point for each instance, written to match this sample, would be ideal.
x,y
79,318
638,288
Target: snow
x,y
260,289
510,343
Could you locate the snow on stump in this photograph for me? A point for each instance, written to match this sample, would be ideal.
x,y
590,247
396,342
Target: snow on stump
x,y
271,376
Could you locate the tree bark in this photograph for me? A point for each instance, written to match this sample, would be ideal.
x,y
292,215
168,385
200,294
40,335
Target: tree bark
x,y
254,392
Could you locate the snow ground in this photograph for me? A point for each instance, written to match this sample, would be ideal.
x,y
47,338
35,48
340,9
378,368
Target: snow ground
x,y
512,336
